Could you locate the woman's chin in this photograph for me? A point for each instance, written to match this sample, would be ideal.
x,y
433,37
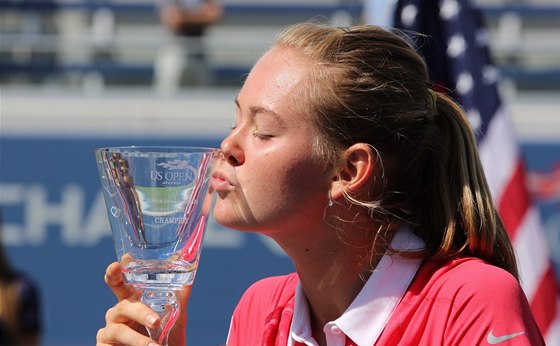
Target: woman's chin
x,y
231,218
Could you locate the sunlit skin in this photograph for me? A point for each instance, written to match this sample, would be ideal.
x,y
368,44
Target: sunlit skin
x,y
281,186
270,181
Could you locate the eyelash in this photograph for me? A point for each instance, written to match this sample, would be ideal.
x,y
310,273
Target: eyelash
x,y
261,136
256,133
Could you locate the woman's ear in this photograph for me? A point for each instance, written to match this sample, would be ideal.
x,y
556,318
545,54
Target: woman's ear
x,y
355,171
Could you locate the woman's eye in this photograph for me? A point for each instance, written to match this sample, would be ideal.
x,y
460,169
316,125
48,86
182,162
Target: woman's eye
x,y
262,136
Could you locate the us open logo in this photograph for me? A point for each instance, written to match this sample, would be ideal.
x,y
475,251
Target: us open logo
x,y
173,173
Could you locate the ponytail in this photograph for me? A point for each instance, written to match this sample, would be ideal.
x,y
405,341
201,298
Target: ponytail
x,y
460,202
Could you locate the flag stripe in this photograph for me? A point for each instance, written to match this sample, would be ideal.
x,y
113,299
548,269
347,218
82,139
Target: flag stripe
x,y
543,311
552,336
515,201
532,265
498,152
537,276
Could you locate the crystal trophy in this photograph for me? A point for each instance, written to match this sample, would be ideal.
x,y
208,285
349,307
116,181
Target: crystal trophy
x,y
158,202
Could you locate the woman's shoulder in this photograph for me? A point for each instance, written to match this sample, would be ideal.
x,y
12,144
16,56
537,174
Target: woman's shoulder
x,y
462,301
261,309
467,271
469,279
262,301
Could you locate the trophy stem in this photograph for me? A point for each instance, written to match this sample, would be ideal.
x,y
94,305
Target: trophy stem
x,y
165,304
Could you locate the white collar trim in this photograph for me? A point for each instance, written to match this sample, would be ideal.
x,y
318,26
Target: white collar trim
x,y
370,311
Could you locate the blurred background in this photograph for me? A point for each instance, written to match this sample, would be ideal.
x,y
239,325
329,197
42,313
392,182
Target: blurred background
x,y
77,74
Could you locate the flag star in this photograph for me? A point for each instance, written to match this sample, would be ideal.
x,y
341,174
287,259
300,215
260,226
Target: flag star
x,y
490,74
464,83
482,38
475,119
449,9
408,14
456,46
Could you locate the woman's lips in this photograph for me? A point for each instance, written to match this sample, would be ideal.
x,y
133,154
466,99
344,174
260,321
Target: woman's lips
x,y
220,183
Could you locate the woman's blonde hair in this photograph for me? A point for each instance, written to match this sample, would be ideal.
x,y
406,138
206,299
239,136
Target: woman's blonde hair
x,y
368,85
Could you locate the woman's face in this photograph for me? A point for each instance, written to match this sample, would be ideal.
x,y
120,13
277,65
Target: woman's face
x,y
269,178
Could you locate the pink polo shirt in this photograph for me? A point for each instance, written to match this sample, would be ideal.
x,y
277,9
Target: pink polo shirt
x,y
464,301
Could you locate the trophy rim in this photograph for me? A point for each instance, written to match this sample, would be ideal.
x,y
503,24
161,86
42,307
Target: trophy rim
x,y
157,148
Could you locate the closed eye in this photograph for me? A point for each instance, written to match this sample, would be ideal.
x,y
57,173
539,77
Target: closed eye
x,y
262,136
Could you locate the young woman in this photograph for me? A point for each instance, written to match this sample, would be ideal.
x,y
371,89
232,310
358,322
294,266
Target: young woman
x,y
372,184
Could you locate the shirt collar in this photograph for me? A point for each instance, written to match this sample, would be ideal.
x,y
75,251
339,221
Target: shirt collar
x,y
370,311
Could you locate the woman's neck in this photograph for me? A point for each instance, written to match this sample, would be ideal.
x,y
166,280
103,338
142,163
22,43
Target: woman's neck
x,y
331,284
332,269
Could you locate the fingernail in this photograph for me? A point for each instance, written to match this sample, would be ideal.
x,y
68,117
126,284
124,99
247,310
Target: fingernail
x,y
151,319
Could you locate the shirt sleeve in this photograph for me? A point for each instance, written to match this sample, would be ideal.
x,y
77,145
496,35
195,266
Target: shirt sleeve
x,y
241,323
488,306
260,310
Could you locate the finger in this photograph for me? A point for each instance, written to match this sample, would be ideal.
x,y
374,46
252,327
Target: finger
x,y
127,311
115,280
121,334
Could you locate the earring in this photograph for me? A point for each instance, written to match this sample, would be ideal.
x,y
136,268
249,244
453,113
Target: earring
x,y
331,202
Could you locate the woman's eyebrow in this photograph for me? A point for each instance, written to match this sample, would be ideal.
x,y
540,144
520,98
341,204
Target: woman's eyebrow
x,y
260,109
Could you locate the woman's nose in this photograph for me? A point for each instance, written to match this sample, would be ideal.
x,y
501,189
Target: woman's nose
x,y
232,150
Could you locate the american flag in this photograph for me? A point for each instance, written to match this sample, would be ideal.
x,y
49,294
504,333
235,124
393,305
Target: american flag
x,y
458,58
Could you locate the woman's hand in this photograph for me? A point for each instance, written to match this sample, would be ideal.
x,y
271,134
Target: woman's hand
x,y
126,322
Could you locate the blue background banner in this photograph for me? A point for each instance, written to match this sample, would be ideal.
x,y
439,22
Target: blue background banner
x,y
56,230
